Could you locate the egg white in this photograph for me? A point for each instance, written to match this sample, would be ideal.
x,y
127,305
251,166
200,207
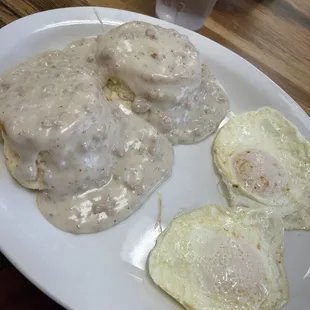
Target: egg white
x,y
265,163
212,259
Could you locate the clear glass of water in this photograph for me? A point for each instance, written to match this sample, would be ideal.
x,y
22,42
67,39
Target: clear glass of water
x,y
190,14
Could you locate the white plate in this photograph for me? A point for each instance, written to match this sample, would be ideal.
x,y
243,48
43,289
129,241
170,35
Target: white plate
x,y
107,270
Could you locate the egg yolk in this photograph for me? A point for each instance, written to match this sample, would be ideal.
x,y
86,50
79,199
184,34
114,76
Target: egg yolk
x,y
260,172
236,272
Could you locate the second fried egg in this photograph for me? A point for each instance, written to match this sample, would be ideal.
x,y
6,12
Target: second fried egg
x,y
211,259
265,162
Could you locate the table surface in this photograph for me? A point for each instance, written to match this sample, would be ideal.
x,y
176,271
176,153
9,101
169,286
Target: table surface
x,y
274,35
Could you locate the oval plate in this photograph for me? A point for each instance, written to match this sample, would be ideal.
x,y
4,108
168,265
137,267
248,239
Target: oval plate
x,y
107,270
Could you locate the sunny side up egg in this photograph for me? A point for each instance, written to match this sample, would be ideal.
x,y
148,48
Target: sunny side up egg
x,y
212,259
265,163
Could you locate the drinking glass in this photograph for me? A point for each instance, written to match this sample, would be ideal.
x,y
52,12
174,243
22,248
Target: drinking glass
x,y
190,14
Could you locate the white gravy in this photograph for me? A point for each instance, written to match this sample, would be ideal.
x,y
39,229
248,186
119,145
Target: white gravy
x,y
173,91
101,161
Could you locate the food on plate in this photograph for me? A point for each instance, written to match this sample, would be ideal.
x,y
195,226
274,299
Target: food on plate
x,y
94,161
213,259
265,163
158,73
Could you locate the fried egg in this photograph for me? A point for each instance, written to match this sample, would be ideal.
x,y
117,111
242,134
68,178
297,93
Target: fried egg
x,y
212,259
265,163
